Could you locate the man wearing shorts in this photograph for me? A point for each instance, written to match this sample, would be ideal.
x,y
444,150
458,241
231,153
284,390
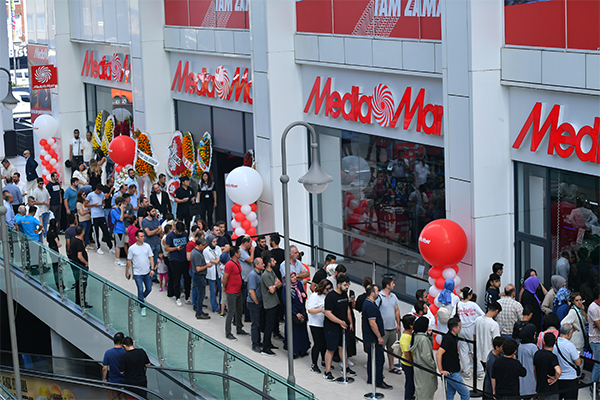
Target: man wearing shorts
x,y
338,317
117,214
388,305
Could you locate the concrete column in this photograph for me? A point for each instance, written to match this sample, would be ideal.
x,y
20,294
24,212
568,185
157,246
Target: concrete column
x,y
276,87
478,167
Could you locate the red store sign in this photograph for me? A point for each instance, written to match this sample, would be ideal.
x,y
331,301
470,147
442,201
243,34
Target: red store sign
x,y
564,138
217,86
115,69
43,77
379,107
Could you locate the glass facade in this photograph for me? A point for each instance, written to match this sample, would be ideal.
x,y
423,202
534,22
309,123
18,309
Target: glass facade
x,y
384,192
557,212
118,103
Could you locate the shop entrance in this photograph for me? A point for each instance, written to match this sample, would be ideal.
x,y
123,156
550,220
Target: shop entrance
x,y
223,164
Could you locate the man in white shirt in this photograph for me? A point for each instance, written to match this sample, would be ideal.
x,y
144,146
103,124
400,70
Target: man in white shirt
x,y
88,148
563,267
295,265
141,258
388,306
95,202
486,329
131,179
7,170
41,199
20,184
76,150
568,358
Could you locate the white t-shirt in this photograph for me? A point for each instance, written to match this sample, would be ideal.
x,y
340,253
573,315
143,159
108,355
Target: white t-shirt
x,y
94,198
209,255
316,300
140,258
570,352
468,313
41,195
88,150
594,315
387,307
486,329
76,143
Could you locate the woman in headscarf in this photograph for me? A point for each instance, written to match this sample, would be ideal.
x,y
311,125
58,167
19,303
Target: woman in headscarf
x,y
540,291
299,318
557,282
212,253
527,350
421,345
448,300
578,318
530,298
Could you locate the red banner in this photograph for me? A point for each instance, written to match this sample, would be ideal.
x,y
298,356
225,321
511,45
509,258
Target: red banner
x,y
41,101
231,14
43,77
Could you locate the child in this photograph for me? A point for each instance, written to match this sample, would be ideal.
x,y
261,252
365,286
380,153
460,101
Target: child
x,y
491,360
506,372
519,325
162,270
408,322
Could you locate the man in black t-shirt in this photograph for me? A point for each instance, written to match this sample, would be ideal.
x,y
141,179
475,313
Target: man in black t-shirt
x,y
133,365
506,371
322,272
546,369
53,188
373,333
337,318
79,257
492,293
448,362
184,197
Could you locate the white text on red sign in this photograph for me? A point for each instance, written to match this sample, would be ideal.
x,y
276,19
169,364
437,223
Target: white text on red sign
x,y
116,69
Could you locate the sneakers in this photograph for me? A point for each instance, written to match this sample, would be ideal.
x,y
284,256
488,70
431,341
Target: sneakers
x,y
242,333
256,349
315,369
467,375
112,251
143,312
328,376
480,376
350,364
268,353
350,372
231,337
178,302
160,289
203,316
119,263
323,365
99,251
188,301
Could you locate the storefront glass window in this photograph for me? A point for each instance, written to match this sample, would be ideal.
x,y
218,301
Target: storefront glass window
x,y
119,103
385,191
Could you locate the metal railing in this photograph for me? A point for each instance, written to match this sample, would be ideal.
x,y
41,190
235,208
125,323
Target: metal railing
x,y
163,337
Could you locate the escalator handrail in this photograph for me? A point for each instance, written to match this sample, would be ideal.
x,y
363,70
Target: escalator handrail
x,y
87,382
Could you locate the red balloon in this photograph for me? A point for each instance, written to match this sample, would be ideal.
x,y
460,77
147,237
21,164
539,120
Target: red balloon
x,y
119,168
430,299
47,147
251,231
45,163
234,236
359,210
122,150
455,268
253,207
439,282
364,203
235,208
43,142
246,225
239,217
435,272
436,345
352,219
434,309
443,243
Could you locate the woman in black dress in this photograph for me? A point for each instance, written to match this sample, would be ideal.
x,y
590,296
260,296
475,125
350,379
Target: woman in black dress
x,y
207,198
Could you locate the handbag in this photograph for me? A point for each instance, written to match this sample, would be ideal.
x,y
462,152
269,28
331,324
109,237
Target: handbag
x,y
575,367
586,338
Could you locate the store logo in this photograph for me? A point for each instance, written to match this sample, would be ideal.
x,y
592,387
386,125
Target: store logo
x,y
413,8
107,69
44,77
380,107
219,85
564,138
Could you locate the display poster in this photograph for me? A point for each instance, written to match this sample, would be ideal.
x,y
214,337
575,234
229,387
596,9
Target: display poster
x,y
48,389
410,19
41,102
564,24
232,14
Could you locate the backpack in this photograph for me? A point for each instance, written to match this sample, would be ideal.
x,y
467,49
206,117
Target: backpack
x,y
111,224
561,310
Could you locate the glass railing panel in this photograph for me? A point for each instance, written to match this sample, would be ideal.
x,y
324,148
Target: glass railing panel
x,y
203,350
144,328
15,249
279,388
174,339
244,371
36,260
117,303
5,393
94,295
69,272
53,264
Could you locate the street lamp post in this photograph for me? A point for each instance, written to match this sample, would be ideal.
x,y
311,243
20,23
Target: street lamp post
x,y
10,103
315,181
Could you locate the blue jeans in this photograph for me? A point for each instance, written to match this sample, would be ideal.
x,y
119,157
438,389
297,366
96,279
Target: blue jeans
x,y
88,227
596,371
459,386
200,288
214,285
194,291
142,281
255,311
45,219
155,250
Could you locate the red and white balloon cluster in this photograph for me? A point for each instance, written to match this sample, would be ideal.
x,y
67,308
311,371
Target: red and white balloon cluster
x,y
356,217
244,220
442,243
244,186
45,127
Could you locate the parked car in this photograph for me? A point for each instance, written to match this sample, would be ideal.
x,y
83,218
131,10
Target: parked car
x,y
23,109
21,78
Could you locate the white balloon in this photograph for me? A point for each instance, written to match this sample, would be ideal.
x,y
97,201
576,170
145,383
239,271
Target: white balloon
x,y
449,273
360,252
244,185
363,245
43,152
353,204
457,281
251,217
431,281
240,231
245,209
434,291
438,338
55,146
51,141
53,162
45,126
254,223
235,224
47,157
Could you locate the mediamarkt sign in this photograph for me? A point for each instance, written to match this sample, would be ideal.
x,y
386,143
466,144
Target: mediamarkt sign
x,y
564,138
116,69
217,86
379,107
